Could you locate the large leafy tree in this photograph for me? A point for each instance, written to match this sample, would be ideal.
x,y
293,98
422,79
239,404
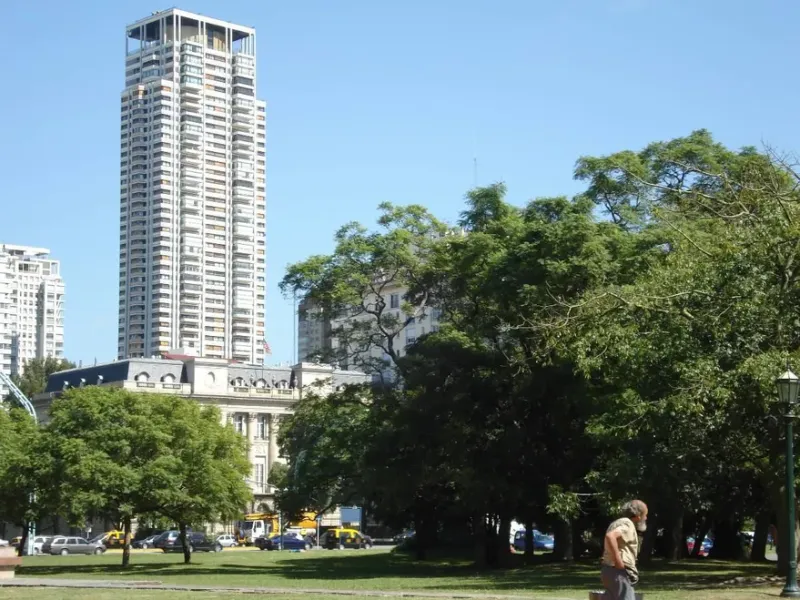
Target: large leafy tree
x,y
325,440
502,286
118,455
590,357
693,343
200,476
105,443
25,471
357,279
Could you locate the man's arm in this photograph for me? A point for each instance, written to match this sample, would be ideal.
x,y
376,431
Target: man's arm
x,y
612,545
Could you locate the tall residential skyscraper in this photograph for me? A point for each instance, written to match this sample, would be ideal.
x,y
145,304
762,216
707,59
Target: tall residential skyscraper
x,y
31,307
192,204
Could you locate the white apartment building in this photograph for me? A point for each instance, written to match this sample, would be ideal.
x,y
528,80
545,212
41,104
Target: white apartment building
x,y
192,204
31,307
313,331
317,333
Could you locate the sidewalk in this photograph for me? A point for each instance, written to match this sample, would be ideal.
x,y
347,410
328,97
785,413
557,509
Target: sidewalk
x,y
47,582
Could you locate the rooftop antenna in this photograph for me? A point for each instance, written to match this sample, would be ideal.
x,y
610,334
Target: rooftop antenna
x,y
294,327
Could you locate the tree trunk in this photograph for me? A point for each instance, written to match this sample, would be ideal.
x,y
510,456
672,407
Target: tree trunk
x,y
23,544
503,544
578,545
528,541
673,532
126,544
758,552
727,543
490,541
187,551
425,526
563,549
701,534
648,540
783,558
479,539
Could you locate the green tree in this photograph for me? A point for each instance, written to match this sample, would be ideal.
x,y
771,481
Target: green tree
x,y
108,446
325,440
502,286
36,373
358,279
691,347
25,471
200,475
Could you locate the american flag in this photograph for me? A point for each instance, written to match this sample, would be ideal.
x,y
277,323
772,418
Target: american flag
x,y
267,349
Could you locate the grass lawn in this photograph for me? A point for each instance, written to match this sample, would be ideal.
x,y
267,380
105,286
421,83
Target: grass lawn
x,y
67,594
379,570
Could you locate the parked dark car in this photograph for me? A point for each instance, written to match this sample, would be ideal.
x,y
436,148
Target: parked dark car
x,y
170,541
145,543
345,538
404,536
287,541
541,541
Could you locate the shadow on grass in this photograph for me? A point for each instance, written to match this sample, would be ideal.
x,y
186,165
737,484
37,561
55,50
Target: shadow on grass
x,y
336,569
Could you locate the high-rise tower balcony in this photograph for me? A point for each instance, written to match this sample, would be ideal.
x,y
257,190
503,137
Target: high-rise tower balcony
x,y
192,131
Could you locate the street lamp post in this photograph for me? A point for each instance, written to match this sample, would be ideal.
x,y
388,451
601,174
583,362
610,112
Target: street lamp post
x,y
788,386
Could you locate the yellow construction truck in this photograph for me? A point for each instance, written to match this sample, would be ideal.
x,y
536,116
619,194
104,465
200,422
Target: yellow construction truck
x,y
256,525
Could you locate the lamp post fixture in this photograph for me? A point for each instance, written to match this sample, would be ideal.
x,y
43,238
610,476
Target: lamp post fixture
x,y
788,386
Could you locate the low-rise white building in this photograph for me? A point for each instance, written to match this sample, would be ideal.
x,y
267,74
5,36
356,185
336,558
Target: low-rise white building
x,y
251,397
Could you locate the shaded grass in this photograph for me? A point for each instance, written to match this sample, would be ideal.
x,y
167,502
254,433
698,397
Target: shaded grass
x,y
380,570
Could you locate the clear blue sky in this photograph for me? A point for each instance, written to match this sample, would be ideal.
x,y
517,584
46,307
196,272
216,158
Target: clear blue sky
x,y
372,101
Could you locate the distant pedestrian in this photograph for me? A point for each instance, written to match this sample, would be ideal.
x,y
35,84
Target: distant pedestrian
x,y
620,550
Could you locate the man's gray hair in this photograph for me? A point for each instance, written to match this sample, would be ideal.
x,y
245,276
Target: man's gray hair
x,y
634,508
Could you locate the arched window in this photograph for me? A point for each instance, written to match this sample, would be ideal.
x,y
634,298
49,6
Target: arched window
x,y
238,382
260,383
168,378
143,377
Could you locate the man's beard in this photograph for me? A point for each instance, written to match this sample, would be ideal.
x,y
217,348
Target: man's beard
x,y
641,526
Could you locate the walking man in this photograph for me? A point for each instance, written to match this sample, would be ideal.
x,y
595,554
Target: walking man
x,y
620,549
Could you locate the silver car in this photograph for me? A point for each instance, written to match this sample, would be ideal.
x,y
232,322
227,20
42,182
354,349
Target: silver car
x,y
64,545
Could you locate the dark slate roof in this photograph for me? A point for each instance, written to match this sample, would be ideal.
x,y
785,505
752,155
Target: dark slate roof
x,y
123,370
116,371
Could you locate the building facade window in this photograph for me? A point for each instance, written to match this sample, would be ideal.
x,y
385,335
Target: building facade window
x,y
239,423
259,472
261,427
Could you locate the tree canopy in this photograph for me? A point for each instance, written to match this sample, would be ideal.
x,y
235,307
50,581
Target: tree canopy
x,y
621,342
119,455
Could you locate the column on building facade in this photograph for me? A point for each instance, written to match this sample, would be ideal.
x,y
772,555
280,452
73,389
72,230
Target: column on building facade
x,y
274,424
252,427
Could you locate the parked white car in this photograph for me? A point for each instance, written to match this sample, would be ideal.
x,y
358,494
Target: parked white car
x,y
38,541
3,543
226,540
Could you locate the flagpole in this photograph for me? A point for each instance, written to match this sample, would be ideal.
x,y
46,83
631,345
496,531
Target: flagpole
x,y
294,327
